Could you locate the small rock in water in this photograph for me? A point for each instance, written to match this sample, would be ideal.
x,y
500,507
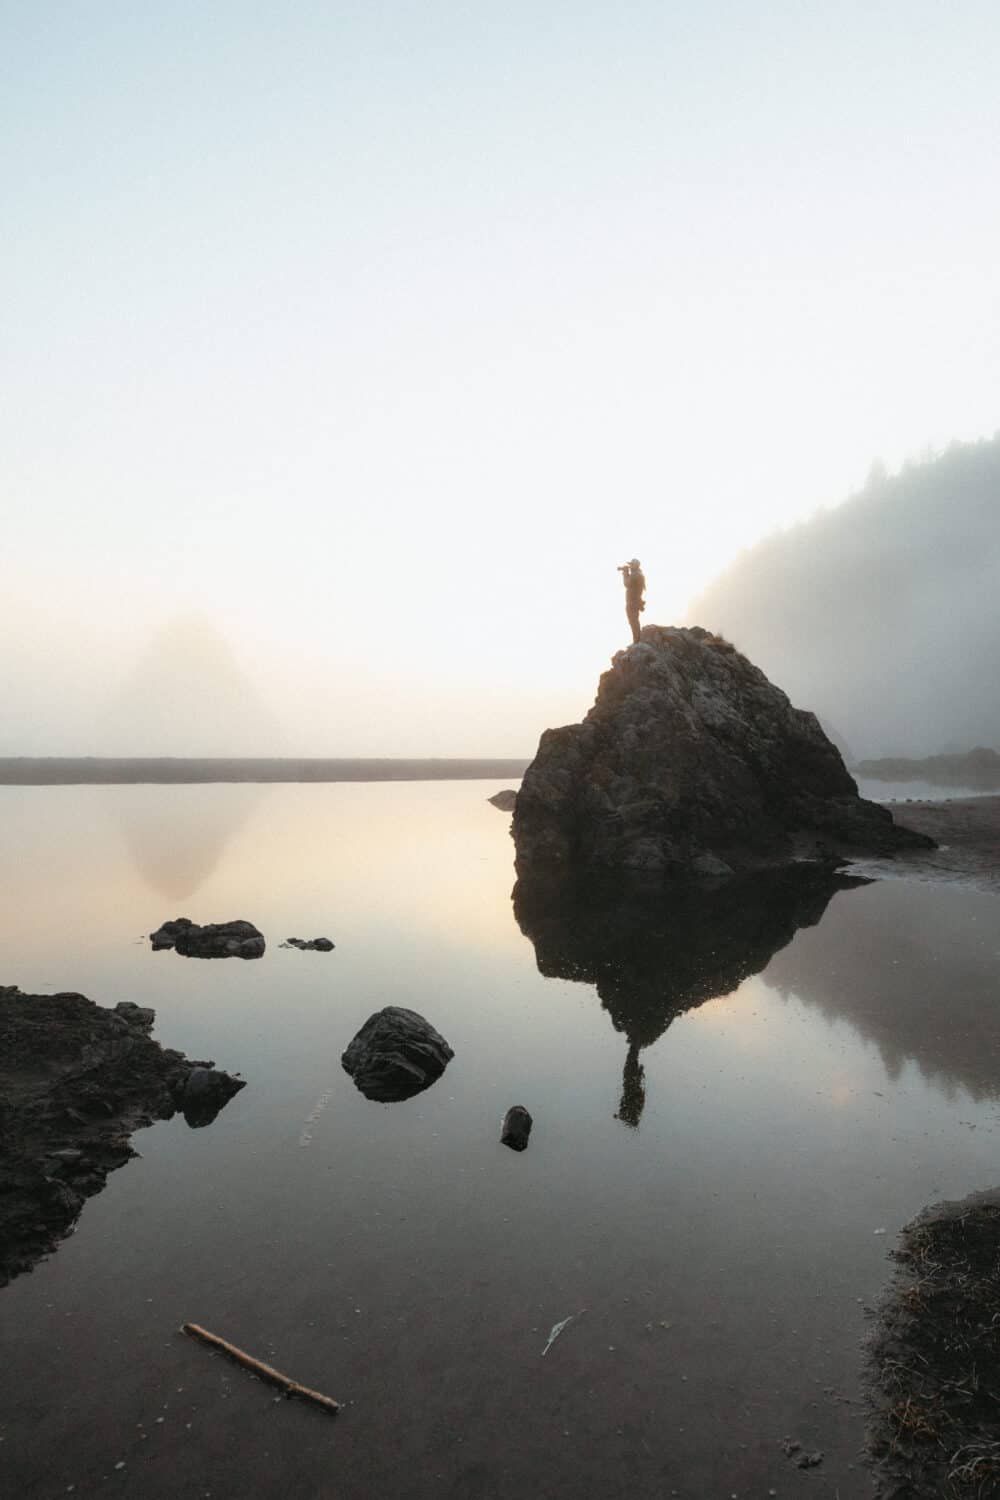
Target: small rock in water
x,y
516,1128
505,800
206,1091
318,945
396,1054
215,940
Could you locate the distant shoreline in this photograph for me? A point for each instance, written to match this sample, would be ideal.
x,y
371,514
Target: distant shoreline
x,y
81,770
979,768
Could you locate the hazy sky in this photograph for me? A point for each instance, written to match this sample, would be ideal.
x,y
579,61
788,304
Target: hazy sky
x,y
378,334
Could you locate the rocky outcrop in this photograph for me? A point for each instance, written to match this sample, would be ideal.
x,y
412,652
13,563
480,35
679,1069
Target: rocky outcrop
x,y
396,1054
75,1081
214,940
692,763
316,945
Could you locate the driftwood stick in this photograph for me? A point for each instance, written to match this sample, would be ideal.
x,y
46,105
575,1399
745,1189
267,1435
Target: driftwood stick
x,y
266,1372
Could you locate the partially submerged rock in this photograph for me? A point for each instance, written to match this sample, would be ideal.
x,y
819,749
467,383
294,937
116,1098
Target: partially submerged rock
x,y
505,800
934,1427
76,1080
516,1128
214,940
692,763
206,1092
317,945
396,1054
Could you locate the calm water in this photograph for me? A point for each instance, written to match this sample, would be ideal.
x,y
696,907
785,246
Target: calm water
x,y
917,791
707,1184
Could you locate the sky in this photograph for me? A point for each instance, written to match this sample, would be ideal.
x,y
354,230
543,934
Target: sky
x,y
368,339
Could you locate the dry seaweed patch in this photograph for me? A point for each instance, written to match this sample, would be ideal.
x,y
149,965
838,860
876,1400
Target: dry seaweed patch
x,y
935,1358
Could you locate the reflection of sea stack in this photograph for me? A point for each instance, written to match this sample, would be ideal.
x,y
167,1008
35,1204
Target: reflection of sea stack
x,y
177,838
690,761
913,968
654,951
187,695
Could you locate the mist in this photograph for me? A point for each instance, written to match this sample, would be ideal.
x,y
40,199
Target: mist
x,y
879,615
371,340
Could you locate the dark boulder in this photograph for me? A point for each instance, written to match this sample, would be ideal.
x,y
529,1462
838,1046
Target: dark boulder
x,y
317,945
206,1091
396,1054
691,763
214,940
516,1128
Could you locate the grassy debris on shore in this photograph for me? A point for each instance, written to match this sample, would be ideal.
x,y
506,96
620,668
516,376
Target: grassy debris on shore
x,y
935,1358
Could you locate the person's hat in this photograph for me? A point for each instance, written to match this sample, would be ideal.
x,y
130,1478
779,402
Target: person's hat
x,y
633,562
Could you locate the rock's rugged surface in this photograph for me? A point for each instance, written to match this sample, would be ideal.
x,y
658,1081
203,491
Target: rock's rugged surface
x,y
318,945
396,1054
214,940
692,763
516,1128
505,800
75,1081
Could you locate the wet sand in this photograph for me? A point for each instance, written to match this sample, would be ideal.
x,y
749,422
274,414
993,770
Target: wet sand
x,y
967,833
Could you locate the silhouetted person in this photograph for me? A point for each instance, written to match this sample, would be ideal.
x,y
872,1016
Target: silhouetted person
x,y
633,1089
635,586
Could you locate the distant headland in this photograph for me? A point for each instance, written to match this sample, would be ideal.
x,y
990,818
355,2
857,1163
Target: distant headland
x,y
156,770
976,768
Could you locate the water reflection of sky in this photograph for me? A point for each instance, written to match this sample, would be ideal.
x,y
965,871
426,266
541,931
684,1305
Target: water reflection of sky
x,y
839,1080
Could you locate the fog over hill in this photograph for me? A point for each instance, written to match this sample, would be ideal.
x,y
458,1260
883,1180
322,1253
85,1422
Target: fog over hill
x,y
881,614
188,695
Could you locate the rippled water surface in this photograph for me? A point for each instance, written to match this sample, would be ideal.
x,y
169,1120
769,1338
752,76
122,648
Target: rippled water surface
x,y
737,1103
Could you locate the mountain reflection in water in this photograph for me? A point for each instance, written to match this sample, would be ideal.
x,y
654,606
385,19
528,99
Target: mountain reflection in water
x,y
914,968
655,950
177,842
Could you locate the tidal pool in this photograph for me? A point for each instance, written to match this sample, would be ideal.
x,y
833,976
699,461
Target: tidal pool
x,y
736,1106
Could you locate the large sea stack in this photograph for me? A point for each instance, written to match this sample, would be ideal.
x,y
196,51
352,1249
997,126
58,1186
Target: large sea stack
x,y
692,763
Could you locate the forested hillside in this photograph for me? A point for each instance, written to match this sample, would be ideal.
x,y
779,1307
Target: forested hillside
x,y
882,614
